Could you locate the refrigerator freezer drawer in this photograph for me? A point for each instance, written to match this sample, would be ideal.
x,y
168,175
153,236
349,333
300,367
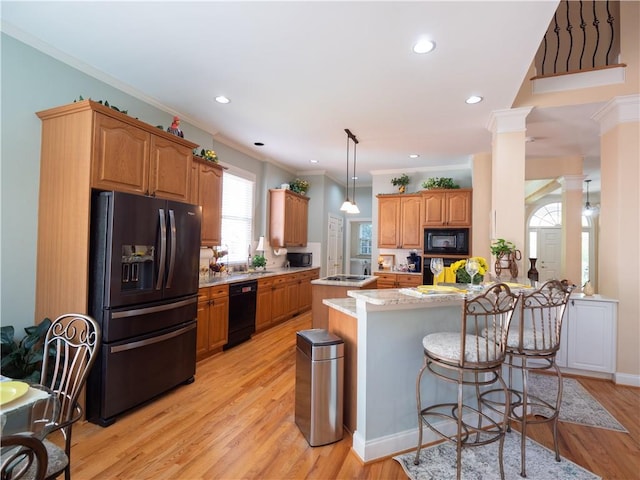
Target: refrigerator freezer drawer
x,y
132,372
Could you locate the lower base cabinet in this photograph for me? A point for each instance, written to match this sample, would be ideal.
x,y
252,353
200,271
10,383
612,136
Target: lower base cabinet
x,y
589,335
282,297
213,320
398,280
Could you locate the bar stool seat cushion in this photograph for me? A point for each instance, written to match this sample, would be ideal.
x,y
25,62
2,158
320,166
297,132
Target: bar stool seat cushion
x,y
446,345
531,340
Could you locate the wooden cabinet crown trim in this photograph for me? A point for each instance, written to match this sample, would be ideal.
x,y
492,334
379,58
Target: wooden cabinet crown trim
x,y
97,107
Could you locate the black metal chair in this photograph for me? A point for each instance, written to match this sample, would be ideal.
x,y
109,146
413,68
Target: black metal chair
x,y
531,347
23,457
468,358
74,339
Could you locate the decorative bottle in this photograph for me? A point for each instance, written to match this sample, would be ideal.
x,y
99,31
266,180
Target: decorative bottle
x,y
532,274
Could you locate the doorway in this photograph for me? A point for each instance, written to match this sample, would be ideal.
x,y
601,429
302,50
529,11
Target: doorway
x,y
545,237
334,245
358,246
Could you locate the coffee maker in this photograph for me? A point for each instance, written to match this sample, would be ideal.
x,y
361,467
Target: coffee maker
x,y
415,260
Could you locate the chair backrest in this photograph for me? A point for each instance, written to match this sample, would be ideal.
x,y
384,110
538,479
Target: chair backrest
x,y
23,456
541,314
487,318
74,340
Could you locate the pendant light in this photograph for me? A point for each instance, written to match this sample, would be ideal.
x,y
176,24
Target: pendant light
x,y
348,206
354,208
588,210
347,203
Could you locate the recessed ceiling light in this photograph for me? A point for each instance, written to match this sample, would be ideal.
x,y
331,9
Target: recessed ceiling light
x,y
414,155
354,178
222,99
473,99
424,46
258,144
313,161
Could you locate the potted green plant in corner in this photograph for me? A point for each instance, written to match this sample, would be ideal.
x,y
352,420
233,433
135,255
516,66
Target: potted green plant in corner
x,y
440,183
401,182
299,186
23,360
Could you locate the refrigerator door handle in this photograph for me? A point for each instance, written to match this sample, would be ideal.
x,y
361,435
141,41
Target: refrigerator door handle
x,y
172,254
163,249
154,309
151,341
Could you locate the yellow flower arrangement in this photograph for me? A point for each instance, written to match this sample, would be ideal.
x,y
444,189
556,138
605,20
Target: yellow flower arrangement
x,y
457,268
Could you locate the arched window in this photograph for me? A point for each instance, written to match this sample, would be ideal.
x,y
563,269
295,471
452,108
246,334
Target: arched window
x,y
547,216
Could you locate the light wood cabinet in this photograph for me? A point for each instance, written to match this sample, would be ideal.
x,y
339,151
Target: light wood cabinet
x,y
84,145
206,191
282,297
263,303
288,219
213,320
400,221
446,208
398,280
131,159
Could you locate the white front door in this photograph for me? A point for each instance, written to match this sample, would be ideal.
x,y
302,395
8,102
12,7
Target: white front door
x,y
549,251
334,245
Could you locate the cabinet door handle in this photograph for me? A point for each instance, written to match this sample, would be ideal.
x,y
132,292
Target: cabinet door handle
x,y
573,303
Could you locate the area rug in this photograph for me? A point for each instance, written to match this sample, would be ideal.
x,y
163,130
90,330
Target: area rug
x,y
578,405
481,463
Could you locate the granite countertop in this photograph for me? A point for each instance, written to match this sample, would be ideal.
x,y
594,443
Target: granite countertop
x,y
398,296
244,276
344,305
357,281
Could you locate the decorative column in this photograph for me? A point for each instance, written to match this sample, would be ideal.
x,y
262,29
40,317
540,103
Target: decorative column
x,y
507,177
571,254
619,226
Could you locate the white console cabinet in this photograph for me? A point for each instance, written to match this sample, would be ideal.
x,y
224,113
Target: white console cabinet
x,y
588,339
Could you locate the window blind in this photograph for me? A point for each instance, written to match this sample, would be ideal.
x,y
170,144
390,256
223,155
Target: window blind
x,y
237,215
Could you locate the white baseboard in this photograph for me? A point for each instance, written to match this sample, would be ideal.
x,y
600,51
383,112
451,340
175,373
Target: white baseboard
x,y
627,379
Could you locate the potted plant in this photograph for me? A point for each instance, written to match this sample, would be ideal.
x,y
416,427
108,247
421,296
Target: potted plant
x,y
299,186
259,261
23,360
507,256
435,183
401,182
502,248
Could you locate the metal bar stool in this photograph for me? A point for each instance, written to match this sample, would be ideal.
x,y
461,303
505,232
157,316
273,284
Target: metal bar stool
x,y
532,346
469,358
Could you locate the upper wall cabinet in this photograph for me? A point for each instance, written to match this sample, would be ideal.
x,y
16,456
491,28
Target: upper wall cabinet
x,y
446,208
129,158
206,191
399,221
288,219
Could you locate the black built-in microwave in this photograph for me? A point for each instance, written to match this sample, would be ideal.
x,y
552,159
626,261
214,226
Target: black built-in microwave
x,y
300,259
446,241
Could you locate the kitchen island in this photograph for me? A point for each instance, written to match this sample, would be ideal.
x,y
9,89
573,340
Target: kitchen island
x,y
335,286
383,330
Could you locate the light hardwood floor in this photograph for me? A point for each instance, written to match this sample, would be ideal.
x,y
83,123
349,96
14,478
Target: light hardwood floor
x,y
237,421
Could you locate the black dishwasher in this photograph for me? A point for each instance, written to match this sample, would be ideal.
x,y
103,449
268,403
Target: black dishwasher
x,y
242,312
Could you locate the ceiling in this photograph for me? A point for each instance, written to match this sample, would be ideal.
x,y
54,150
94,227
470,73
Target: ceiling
x,y
299,73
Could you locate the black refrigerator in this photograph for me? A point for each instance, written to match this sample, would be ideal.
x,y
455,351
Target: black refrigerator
x,y
143,285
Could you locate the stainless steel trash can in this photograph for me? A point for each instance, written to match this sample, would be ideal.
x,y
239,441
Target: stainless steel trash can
x,y
319,386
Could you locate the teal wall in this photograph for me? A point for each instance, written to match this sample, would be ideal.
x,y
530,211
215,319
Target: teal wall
x,y
33,81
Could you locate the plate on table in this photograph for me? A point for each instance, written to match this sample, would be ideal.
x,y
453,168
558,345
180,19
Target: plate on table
x,y
9,391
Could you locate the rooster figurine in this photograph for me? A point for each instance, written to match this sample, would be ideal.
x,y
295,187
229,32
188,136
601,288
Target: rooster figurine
x,y
175,127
